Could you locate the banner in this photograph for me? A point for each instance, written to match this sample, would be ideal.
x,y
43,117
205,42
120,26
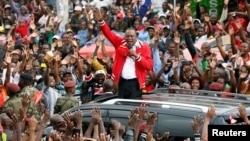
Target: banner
x,y
212,6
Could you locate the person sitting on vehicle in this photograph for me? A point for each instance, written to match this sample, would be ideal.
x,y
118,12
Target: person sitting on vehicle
x,y
68,101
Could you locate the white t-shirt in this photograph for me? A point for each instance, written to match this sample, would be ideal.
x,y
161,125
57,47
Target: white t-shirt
x,y
100,3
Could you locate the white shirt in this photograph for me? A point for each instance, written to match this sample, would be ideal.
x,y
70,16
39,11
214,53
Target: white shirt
x,y
13,79
128,71
100,3
43,20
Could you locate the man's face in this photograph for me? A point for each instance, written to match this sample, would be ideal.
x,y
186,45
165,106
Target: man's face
x,y
52,81
45,49
205,49
213,19
200,32
14,58
130,37
244,49
67,77
171,48
100,78
151,32
166,32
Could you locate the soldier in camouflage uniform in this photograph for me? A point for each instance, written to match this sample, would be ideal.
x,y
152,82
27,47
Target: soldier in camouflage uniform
x,y
14,103
68,101
25,83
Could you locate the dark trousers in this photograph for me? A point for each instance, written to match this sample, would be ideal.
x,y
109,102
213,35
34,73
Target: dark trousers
x,y
129,89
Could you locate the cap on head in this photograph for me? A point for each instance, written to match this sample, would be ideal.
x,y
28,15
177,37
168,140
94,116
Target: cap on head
x,y
26,77
119,16
215,86
69,31
151,27
7,6
69,84
100,72
56,37
78,8
12,87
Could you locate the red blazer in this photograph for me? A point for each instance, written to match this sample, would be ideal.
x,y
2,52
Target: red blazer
x,y
142,64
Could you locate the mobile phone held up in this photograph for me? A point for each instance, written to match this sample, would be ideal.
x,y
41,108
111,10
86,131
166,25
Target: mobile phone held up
x,y
76,131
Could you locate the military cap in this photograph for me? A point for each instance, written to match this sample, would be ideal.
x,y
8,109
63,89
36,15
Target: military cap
x,y
69,84
12,87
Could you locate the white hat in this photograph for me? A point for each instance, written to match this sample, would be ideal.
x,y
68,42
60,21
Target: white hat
x,y
197,20
78,8
100,72
7,6
56,37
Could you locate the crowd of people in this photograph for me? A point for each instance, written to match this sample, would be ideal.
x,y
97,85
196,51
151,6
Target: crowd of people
x,y
164,46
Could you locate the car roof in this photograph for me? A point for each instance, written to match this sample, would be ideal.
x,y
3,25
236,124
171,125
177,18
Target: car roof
x,y
181,100
205,98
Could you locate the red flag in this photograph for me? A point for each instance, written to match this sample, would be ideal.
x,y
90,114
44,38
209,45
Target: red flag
x,y
1,100
232,121
38,96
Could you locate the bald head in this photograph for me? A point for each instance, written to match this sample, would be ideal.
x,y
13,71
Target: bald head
x,y
108,85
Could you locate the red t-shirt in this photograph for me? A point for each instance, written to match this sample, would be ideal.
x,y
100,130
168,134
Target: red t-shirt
x,y
23,30
148,89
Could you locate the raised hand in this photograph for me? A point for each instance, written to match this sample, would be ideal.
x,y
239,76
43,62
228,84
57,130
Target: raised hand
x,y
226,2
46,117
32,124
177,38
141,111
55,136
96,116
7,58
152,118
196,123
230,68
207,18
210,112
170,5
78,117
175,63
116,124
76,137
104,137
243,114
134,120
188,25
97,14
231,30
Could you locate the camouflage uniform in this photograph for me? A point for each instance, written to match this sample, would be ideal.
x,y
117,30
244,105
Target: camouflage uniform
x,y
32,108
64,103
13,105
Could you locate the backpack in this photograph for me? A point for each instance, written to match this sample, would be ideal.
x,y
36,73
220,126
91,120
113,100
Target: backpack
x,y
64,103
13,104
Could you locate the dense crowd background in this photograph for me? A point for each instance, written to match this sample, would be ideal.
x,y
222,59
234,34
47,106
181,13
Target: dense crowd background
x,y
56,57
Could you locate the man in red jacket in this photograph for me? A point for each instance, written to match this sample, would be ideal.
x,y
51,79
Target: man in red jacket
x,y
132,60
